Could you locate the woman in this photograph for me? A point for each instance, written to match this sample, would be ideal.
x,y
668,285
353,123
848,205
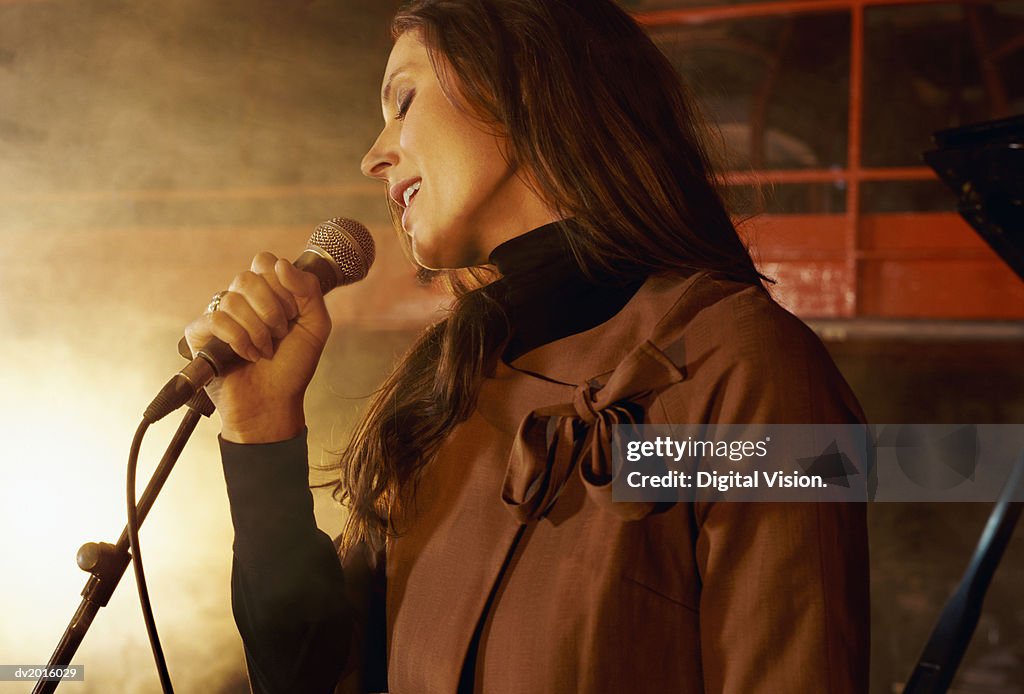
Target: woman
x,y
548,143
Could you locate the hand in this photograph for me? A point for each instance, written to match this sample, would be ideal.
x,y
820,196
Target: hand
x,y
274,317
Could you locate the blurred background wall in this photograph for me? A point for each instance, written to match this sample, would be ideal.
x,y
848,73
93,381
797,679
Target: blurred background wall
x,y
148,150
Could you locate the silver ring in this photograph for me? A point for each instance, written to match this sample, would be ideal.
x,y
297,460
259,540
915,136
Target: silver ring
x,y
215,301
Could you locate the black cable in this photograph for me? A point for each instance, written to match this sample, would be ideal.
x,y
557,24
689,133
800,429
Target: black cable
x,y
140,576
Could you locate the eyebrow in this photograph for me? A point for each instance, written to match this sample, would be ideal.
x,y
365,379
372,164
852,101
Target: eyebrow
x,y
386,92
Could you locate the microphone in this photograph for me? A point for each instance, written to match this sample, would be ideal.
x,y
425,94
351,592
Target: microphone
x,y
339,252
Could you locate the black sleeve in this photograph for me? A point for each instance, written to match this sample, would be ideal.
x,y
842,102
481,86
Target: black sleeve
x,y
287,587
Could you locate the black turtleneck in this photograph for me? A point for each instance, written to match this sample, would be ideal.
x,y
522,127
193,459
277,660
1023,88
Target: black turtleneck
x,y
544,292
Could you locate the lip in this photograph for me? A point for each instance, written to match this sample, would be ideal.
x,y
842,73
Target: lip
x,y
397,191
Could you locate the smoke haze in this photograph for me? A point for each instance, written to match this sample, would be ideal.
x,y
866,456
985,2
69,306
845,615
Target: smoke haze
x,y
147,152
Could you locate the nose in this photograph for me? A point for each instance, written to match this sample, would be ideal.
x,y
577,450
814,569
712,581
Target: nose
x,y
381,157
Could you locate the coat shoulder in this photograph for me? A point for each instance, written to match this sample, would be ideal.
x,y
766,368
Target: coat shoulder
x,y
739,320
746,358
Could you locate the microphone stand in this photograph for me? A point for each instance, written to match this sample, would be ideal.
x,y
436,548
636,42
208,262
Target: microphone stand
x,y
107,562
948,643
339,252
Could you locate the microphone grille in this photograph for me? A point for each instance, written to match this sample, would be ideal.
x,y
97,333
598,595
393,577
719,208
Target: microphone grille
x,y
349,244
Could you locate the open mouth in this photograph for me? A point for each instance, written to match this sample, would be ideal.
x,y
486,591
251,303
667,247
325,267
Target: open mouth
x,y
410,192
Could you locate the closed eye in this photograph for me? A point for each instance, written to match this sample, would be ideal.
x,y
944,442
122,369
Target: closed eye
x,y
403,106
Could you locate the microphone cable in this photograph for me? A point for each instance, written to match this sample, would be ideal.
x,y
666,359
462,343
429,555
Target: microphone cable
x,y
136,552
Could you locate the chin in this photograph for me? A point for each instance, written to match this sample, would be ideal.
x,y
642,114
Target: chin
x,y
435,264
429,260
441,257
424,255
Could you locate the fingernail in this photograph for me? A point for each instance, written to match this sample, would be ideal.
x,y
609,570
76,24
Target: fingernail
x,y
252,354
268,350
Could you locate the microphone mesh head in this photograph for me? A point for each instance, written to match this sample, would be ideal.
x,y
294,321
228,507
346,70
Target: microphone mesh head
x,y
349,244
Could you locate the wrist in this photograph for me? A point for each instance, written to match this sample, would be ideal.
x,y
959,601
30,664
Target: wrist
x,y
269,425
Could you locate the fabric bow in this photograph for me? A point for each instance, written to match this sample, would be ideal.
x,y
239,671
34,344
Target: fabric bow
x,y
552,440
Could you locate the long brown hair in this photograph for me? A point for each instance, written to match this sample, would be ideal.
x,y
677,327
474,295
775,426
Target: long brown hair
x,y
598,117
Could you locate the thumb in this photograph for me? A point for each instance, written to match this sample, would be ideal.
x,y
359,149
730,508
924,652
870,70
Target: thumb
x,y
305,287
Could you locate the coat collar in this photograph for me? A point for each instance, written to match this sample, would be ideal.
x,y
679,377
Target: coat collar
x,y
657,312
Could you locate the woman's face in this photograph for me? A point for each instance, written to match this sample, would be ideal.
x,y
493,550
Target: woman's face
x,y
460,198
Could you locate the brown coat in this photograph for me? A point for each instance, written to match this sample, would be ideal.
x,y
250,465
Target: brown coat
x,y
595,596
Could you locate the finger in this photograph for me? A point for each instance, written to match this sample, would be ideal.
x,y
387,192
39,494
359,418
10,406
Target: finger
x,y
238,307
263,264
263,300
220,325
197,334
305,287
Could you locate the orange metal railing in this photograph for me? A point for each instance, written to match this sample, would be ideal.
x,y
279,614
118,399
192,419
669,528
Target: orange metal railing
x,y
865,272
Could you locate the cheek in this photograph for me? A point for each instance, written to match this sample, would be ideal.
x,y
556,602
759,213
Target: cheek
x,y
407,140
